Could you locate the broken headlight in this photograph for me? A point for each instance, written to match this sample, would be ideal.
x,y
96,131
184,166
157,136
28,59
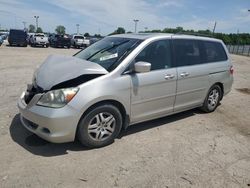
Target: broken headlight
x,y
57,98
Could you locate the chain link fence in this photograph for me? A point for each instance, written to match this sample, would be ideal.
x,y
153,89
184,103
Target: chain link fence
x,y
239,49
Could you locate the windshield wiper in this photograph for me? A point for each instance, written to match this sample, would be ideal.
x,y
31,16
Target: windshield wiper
x,y
106,49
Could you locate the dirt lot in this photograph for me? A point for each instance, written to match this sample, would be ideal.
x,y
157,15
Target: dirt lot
x,y
190,149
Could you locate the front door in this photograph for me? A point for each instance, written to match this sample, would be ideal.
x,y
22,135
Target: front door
x,y
153,93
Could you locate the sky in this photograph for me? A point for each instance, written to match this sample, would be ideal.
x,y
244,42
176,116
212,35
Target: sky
x,y
104,16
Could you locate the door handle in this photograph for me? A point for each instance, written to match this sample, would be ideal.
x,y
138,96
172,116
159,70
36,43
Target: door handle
x,y
184,74
169,76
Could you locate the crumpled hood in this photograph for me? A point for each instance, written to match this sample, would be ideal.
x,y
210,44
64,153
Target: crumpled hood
x,y
58,68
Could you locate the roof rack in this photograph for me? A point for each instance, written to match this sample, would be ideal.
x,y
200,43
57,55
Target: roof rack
x,y
194,34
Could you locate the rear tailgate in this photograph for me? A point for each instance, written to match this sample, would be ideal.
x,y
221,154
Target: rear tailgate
x,y
42,39
64,41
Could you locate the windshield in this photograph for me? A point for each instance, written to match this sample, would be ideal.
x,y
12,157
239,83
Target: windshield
x,y
78,37
39,35
109,52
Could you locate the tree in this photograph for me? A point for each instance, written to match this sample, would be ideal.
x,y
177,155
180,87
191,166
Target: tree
x,y
179,29
86,34
97,35
120,30
32,28
60,29
232,38
39,30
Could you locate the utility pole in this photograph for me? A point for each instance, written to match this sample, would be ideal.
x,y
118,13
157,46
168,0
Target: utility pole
x,y
136,21
238,34
36,17
77,28
215,23
24,25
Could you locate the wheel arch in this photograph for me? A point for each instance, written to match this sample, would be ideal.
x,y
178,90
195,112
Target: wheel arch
x,y
221,86
119,105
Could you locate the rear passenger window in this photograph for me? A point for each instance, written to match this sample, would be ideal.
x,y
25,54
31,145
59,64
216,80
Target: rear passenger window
x,y
157,53
214,52
187,52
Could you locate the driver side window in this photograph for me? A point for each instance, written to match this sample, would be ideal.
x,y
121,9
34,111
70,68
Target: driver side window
x,y
157,53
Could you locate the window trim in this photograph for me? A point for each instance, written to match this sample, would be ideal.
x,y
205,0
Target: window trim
x,y
127,71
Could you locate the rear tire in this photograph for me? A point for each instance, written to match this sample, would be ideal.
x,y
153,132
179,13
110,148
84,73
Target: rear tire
x,y
213,99
100,126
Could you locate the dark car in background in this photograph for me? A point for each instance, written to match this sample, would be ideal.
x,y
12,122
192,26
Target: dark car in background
x,y
93,40
18,37
1,40
59,40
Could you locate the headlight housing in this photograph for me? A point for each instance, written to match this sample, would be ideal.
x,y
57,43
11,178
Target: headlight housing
x,y
57,98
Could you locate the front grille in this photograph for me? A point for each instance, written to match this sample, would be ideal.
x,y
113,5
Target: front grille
x,y
31,92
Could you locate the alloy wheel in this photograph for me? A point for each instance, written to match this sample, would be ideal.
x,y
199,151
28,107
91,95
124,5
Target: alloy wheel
x,y
101,126
213,99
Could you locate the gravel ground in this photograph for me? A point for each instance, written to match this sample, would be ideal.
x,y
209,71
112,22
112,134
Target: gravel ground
x,y
190,149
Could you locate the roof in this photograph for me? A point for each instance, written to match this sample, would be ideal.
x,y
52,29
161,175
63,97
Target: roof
x,y
144,36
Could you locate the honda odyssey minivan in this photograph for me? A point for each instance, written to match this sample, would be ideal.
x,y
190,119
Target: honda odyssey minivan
x,y
122,80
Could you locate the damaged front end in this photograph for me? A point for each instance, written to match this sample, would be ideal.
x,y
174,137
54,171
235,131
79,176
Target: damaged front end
x,y
60,72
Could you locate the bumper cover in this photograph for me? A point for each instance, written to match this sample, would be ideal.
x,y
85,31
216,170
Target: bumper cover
x,y
53,125
41,43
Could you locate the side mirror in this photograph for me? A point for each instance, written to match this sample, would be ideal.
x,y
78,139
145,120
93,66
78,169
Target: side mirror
x,y
141,67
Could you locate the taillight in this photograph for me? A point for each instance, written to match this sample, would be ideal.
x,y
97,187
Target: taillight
x,y
231,70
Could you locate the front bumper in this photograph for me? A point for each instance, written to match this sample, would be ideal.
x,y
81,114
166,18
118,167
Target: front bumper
x,y
41,43
54,125
78,43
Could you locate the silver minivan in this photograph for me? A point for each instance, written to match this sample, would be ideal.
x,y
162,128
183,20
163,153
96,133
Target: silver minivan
x,y
122,80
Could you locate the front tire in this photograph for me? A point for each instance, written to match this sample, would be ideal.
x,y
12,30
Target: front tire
x,y
100,126
213,99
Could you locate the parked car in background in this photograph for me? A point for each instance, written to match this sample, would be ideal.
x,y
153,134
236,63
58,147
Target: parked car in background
x,y
60,41
1,40
29,37
39,39
123,80
86,42
49,38
4,35
18,37
77,41
93,40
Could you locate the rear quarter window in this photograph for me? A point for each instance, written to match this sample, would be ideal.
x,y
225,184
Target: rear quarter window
x,y
213,52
